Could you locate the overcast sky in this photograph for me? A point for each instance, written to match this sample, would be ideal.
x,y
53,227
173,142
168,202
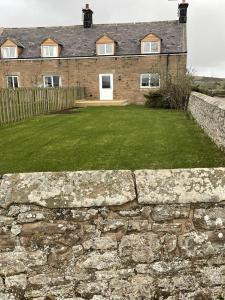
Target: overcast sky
x,y
206,22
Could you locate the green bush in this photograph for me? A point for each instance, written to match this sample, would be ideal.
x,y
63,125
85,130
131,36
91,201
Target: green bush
x,y
156,100
174,93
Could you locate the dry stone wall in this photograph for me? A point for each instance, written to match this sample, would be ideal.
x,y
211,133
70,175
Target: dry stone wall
x,y
113,235
209,112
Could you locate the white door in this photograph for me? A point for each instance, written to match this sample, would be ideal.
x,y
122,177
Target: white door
x,y
106,86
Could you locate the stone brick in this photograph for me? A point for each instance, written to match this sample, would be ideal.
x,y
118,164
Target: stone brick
x,y
140,247
170,212
16,281
68,190
103,261
212,218
102,243
180,186
7,242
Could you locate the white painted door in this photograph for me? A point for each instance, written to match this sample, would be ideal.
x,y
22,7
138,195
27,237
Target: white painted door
x,y
106,86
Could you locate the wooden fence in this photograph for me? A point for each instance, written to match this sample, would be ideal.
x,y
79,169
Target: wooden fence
x,y
23,103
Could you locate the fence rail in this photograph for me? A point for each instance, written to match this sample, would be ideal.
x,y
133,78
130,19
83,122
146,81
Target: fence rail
x,y
23,103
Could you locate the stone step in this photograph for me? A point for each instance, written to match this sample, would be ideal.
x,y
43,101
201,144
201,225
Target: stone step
x,y
89,103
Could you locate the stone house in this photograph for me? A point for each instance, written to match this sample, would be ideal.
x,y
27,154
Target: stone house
x,y
112,61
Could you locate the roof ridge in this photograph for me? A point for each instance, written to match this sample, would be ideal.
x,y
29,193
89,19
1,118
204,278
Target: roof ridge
x,y
99,24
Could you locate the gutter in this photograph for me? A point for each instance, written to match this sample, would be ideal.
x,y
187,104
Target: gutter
x,y
94,57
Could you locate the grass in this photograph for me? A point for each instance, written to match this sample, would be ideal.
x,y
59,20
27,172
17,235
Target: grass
x,y
130,137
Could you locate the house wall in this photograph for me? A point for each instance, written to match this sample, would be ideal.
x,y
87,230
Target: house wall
x,y
85,72
209,112
113,235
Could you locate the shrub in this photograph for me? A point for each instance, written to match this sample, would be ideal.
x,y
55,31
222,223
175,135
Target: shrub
x,y
173,94
156,100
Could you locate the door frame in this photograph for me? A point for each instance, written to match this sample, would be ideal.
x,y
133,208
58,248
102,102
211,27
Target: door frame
x,y
100,86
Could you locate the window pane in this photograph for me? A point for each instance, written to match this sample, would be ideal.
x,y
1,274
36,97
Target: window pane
x,y
147,47
10,82
49,51
16,83
145,80
109,49
9,52
48,81
101,49
56,81
155,80
154,47
106,82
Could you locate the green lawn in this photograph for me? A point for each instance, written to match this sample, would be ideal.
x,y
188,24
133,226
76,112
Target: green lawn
x,y
130,137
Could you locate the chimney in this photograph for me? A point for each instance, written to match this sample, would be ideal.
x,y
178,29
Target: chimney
x,y
1,30
183,12
87,17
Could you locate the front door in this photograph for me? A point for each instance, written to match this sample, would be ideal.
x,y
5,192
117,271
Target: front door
x,y
106,86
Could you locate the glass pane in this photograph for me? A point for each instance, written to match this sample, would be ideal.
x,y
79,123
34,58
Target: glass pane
x,y
48,81
109,49
154,80
56,81
145,80
101,49
147,47
154,47
10,82
106,82
16,83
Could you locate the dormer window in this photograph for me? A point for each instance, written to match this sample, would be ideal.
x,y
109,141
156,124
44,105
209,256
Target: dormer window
x,y
105,49
151,47
150,44
9,52
49,51
50,48
11,48
105,46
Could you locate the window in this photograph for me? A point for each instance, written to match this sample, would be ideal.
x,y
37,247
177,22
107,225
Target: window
x,y
52,81
150,47
12,82
49,51
150,80
9,52
105,49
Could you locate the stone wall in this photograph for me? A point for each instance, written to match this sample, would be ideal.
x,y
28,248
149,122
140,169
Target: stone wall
x,y
209,112
85,72
113,235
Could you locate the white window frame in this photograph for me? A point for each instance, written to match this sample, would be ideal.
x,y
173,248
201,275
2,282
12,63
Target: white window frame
x,y
10,47
149,81
52,81
13,76
150,47
105,49
45,50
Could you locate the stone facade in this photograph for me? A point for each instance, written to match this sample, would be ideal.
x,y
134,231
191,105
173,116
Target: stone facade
x,y
85,72
113,235
209,112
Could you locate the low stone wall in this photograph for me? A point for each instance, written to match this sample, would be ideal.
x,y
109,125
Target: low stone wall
x,y
209,112
113,235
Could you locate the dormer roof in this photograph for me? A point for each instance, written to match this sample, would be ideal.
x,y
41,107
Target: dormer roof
x,y
52,40
13,40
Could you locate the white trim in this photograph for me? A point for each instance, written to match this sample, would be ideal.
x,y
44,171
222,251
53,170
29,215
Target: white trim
x,y
149,78
52,82
95,57
13,76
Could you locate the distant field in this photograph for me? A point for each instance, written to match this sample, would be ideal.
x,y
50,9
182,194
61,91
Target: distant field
x,y
131,137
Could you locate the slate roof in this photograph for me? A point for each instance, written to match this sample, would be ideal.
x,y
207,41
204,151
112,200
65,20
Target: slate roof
x,y
78,41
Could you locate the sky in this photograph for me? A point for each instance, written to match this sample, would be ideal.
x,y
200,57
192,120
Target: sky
x,y
206,22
